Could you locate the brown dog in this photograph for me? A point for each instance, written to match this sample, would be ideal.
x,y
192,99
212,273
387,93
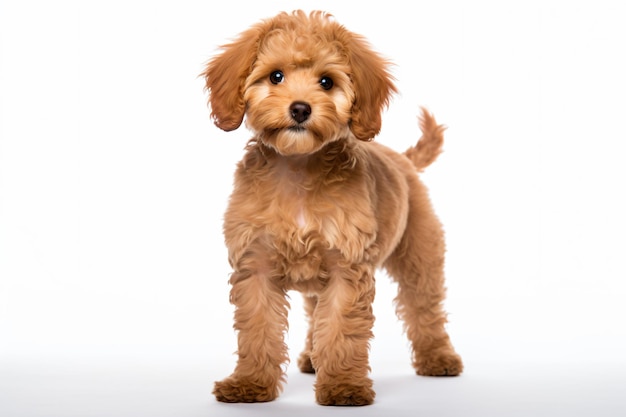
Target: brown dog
x,y
317,207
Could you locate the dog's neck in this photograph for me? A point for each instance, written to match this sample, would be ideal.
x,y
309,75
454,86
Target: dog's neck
x,y
297,181
332,160
294,163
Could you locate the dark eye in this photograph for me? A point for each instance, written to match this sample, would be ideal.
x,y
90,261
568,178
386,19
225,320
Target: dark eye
x,y
277,77
326,83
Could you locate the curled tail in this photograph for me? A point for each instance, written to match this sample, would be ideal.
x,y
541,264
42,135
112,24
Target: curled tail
x,y
429,145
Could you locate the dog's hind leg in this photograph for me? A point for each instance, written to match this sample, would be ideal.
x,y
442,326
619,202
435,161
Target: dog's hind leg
x,y
417,266
304,361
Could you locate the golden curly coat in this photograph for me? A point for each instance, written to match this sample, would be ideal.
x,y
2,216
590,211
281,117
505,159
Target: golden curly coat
x,y
317,207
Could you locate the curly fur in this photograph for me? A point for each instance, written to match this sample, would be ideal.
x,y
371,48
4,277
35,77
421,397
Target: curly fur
x,y
317,207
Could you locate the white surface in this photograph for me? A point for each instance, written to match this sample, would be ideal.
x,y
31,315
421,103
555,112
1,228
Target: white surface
x,y
113,182
172,389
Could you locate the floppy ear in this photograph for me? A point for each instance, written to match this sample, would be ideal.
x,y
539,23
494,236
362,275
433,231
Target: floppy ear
x,y
225,76
373,88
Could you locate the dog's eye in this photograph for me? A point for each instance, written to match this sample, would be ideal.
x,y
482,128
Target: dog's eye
x,y
277,77
326,83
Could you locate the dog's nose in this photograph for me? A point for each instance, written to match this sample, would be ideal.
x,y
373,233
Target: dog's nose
x,y
300,111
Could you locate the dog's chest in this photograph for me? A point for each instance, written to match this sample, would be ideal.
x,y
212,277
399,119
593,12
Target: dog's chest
x,y
299,206
297,220
305,216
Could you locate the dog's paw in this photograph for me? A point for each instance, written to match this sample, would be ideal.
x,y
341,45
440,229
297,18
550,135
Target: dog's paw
x,y
304,364
345,394
236,390
439,363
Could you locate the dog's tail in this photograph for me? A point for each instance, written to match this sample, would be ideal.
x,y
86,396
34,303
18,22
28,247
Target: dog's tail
x,y
429,146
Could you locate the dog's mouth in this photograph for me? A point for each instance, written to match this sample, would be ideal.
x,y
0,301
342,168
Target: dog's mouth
x,y
300,138
296,128
290,129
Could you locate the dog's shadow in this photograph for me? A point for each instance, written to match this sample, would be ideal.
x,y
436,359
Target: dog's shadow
x,y
398,394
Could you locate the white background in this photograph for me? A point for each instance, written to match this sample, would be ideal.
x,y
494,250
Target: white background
x,y
113,183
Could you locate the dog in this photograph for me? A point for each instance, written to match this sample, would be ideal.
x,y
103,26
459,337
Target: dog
x,y
317,207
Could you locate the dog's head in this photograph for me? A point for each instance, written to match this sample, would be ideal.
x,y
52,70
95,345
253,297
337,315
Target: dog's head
x,y
301,81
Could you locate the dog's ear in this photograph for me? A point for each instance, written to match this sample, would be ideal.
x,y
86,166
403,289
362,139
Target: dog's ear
x,y
225,76
373,88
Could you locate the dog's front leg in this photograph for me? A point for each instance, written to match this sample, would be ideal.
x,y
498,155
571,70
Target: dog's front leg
x,y
261,320
343,327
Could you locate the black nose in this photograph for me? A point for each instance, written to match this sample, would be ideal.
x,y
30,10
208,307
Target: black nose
x,y
300,111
